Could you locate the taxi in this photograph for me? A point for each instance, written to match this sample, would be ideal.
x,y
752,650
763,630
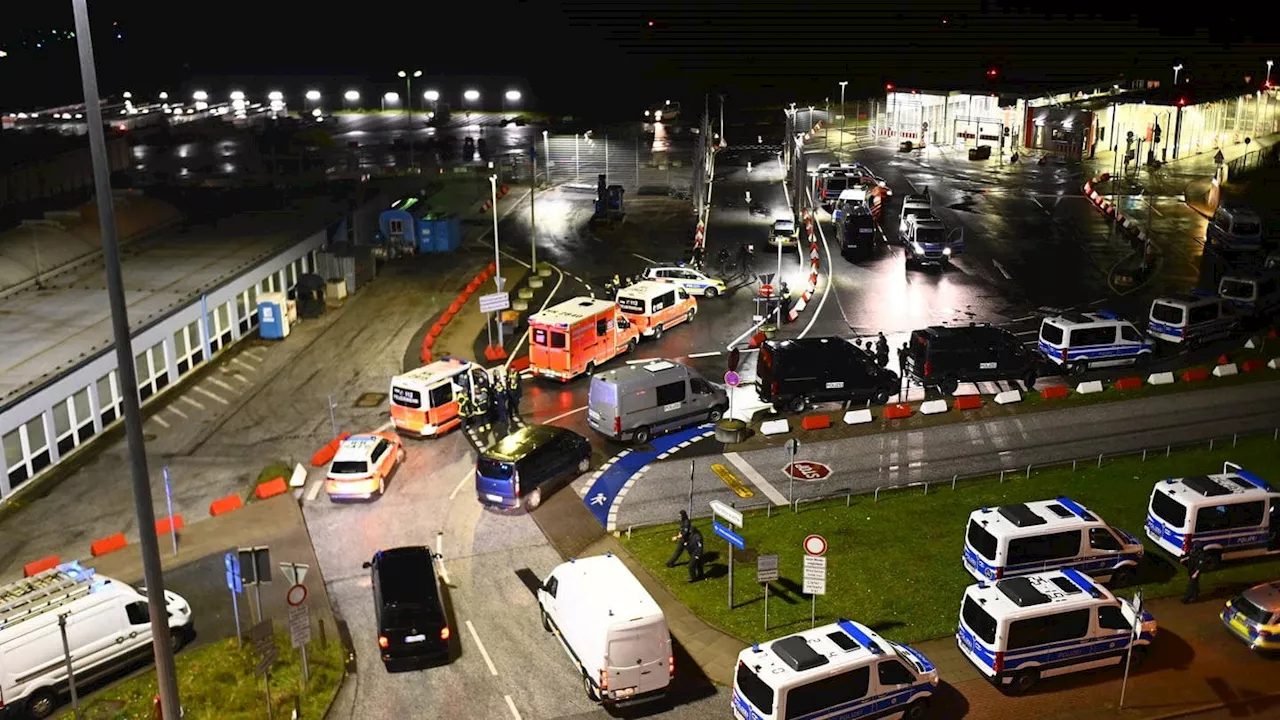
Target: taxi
x,y
694,282
1252,616
362,466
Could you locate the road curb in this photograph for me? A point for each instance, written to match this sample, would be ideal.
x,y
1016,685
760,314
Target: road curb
x,y
1208,707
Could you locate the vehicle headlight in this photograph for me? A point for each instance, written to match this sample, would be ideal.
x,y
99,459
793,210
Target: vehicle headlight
x,y
946,251
915,247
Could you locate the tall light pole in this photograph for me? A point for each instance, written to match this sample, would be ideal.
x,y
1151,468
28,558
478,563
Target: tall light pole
x,y
433,97
546,156
497,258
510,96
1176,69
843,120
722,140
1269,62
350,96
166,674
533,224
576,158
408,106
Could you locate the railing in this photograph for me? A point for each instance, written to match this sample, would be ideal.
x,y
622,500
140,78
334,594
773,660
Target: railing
x,y
1255,160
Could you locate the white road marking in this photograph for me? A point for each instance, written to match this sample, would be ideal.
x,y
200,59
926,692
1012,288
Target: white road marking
x,y
470,474
1000,267
314,490
206,393
511,705
641,361
386,426
244,364
1154,209
826,288
161,421
525,337
241,378
563,415
192,403
713,353
756,478
483,653
1040,205
444,575
251,356
646,259
223,385
174,409
1026,332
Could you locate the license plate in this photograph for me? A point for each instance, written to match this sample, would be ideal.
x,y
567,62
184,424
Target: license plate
x,y
494,498
626,692
964,640
415,638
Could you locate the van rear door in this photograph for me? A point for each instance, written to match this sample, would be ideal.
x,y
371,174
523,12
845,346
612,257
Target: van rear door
x,y
549,349
496,481
638,655
602,406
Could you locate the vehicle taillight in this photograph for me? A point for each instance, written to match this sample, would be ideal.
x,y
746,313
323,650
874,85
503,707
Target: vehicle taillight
x,y
604,679
382,642
1264,633
444,633
1186,544
928,368
617,424
1064,354
671,664
515,481
999,573
773,388
1182,332
998,665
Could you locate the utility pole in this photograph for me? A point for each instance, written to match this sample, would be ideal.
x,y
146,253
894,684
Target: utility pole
x,y
843,119
166,675
826,127
723,142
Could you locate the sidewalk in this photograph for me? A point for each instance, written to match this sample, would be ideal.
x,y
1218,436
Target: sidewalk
x,y
1175,176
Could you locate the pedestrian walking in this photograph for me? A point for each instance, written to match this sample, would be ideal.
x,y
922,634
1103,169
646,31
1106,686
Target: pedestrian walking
x,y
882,350
1194,563
499,403
696,555
681,539
513,394
903,354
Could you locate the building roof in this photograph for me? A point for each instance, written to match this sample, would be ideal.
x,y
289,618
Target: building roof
x,y
1185,94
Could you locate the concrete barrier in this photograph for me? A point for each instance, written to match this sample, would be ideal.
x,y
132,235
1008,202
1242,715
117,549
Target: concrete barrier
x,y
1252,365
1225,370
36,567
108,544
1164,378
1091,386
1008,396
167,525
271,488
225,505
968,402
1274,363
815,422
1054,392
326,453
857,417
933,407
775,427
299,477
1195,374
1129,383
1251,344
897,411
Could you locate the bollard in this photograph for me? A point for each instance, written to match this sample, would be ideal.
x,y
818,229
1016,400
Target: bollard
x,y
1028,471
1210,444
1001,476
1166,451
628,532
953,481
1099,460
1073,466
926,487
1144,455
768,510
1234,438
848,499
1275,435
324,639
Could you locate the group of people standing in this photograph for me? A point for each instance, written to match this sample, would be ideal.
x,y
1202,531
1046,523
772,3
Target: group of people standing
x,y
497,402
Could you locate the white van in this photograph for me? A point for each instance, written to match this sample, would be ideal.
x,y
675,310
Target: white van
x,y
1019,630
1077,342
1190,319
840,670
108,627
610,627
1234,514
1048,535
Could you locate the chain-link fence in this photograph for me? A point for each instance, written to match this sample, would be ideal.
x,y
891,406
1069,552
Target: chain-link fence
x,y
644,163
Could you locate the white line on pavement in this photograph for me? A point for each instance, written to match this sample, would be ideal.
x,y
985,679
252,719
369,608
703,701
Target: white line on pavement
x,y
1026,332
206,393
1040,205
713,353
756,478
174,409
511,705
244,364
646,259
444,575
241,378
483,653
223,385
1000,267
826,288
563,415
160,420
314,490
386,426
461,483
192,403
252,357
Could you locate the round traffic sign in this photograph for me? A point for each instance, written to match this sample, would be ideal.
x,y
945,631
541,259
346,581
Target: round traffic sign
x,y
731,379
298,594
815,545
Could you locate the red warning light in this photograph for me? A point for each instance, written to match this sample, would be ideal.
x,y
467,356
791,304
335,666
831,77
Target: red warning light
x,y
650,23
1182,101
888,86
992,72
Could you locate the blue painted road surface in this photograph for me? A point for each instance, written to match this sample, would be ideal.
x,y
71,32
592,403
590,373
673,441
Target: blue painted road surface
x,y
627,464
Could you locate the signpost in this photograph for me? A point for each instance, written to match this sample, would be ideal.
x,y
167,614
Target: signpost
x,y
255,569
1133,637
235,583
766,572
792,446
815,573
495,302
732,516
264,646
732,379
299,617
168,501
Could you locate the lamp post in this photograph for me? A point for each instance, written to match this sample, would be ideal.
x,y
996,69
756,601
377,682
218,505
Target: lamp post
x,y
350,96
1176,69
408,106
510,96
433,97
826,128
843,83
166,674
575,157
313,96
497,258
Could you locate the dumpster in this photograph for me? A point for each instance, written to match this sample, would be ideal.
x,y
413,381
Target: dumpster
x,y
273,316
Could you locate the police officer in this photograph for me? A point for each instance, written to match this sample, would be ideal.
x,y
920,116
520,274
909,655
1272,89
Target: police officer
x,y
882,350
465,409
696,558
513,394
1194,562
681,539
484,401
499,402
903,354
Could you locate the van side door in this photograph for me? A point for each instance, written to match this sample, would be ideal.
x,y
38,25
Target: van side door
x,y
701,398
138,632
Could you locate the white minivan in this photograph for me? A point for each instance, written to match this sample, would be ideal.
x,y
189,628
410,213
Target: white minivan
x,y
108,627
610,627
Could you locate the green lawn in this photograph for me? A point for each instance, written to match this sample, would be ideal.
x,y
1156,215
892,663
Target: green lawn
x,y
895,565
217,681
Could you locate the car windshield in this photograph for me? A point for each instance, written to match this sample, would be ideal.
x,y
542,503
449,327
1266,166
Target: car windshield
x,y
349,467
1162,312
1237,289
493,469
754,689
930,235
1051,334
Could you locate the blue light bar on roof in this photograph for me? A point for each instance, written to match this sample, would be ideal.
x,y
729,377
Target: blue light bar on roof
x,y
860,637
1075,508
1253,480
1108,315
1080,580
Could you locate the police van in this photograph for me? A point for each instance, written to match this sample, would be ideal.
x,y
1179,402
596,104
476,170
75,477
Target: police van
x,y
1235,227
1048,535
1256,295
1019,630
1076,341
1190,319
1234,514
842,670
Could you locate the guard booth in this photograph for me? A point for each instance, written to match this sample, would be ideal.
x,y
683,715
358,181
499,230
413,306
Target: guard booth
x,y
276,312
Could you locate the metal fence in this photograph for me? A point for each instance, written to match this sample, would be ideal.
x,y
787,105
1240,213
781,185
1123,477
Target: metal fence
x,y
641,163
1256,160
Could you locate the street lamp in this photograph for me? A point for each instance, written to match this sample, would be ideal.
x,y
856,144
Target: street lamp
x,y
471,95
512,96
3,54
497,259
200,96
546,155
275,96
1176,69
431,96
350,96
390,97
127,95
843,83
1269,62
164,95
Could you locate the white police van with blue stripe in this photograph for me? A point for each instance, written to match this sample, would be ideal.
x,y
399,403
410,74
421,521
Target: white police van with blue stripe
x,y
1234,514
1048,535
833,672
1021,629
1079,341
1191,319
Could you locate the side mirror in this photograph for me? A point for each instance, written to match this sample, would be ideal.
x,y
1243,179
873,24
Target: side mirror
x,y
367,565
437,556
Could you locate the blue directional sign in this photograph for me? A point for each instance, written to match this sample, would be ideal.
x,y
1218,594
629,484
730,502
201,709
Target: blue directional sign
x,y
734,538
234,582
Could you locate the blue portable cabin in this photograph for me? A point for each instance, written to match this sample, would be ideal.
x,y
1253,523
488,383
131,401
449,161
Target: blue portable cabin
x,y
411,222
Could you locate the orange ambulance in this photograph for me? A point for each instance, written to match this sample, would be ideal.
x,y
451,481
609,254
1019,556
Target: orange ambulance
x,y
424,401
577,336
655,306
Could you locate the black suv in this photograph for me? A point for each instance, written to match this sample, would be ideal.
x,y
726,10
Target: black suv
x,y
943,357
413,631
791,374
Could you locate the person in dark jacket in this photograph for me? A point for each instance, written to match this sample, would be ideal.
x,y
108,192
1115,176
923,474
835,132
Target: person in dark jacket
x,y
882,350
513,395
1195,562
681,539
903,354
696,558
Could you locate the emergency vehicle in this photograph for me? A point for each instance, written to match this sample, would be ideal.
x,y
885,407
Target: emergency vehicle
x,y
1228,516
1076,341
1254,616
693,281
1235,227
425,401
579,335
927,241
362,466
652,307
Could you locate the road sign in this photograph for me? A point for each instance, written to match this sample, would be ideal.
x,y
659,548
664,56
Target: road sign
x,y
728,478
732,537
731,515
264,646
732,379
299,625
766,568
494,302
735,355
807,470
765,278
924,126
296,595
815,545
255,565
235,583
295,573
815,575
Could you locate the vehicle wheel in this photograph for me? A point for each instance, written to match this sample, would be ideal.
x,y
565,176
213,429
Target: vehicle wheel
x,y
1138,657
916,710
715,414
632,344
1029,379
591,368
641,435
584,464
1077,368
400,456
882,396
949,385
1122,577
1023,682
546,621
382,487
689,316
42,703
797,404
711,292
534,500
1212,561
592,694
177,638
1143,360
657,333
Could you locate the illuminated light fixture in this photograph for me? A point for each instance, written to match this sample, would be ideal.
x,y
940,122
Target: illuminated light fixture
x,y
128,95
313,95
416,73
431,95
3,54
200,96
471,95
513,95
317,113
351,95
237,95
391,97
164,95
275,96
888,86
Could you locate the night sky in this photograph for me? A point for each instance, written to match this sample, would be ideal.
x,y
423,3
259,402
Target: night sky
x,y
585,55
